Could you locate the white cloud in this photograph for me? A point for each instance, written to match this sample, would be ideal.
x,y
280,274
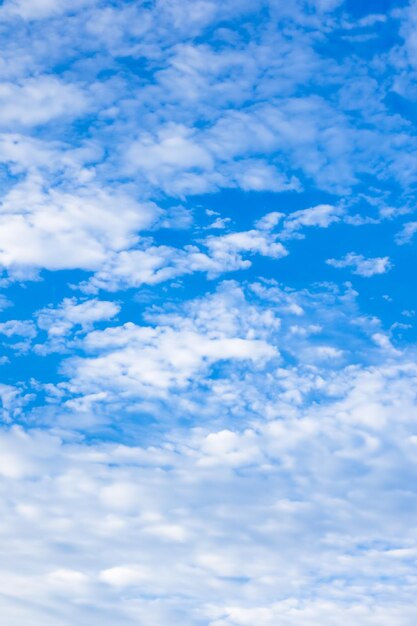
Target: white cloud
x,y
58,321
38,101
258,175
242,335
174,351
361,265
54,229
269,221
124,576
13,400
226,250
172,151
407,233
39,9
156,264
150,531
384,342
322,216
227,448
247,434
139,360
327,352
153,265
22,328
183,162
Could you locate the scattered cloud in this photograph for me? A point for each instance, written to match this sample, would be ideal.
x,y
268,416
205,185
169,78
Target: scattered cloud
x,y
361,265
407,233
202,422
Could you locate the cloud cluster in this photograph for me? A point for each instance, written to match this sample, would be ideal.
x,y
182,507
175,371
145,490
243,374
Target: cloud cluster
x,y
200,424
219,514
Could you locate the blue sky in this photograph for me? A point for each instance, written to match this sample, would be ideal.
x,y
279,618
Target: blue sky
x,y
207,318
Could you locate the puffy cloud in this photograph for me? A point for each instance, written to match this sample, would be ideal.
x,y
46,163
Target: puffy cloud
x,y
155,264
13,400
217,454
22,328
139,360
38,101
218,514
361,265
171,152
58,321
321,216
269,221
226,250
149,266
183,162
173,353
225,352
55,229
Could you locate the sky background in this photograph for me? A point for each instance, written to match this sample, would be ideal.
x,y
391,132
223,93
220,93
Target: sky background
x,y
208,257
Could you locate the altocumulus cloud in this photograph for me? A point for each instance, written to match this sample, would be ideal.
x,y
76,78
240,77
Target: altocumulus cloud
x,y
208,416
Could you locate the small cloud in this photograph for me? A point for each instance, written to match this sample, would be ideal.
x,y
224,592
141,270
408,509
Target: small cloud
x,y
320,216
361,265
328,352
219,223
22,328
384,342
406,234
269,221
